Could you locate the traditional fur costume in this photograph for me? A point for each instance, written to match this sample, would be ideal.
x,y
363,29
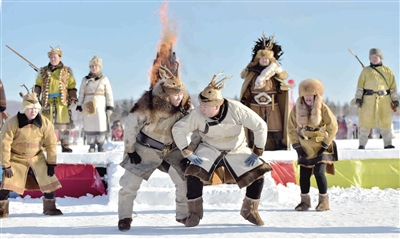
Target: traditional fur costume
x,y
57,87
223,144
149,145
312,130
265,91
22,153
311,126
95,99
376,89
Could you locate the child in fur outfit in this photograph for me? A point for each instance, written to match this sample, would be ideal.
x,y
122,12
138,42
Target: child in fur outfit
x,y
312,128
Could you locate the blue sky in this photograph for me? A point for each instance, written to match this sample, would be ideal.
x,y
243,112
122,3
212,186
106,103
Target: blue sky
x,y
212,37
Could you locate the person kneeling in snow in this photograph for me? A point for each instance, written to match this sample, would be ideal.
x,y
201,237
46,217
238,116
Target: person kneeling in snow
x,y
220,123
25,166
312,128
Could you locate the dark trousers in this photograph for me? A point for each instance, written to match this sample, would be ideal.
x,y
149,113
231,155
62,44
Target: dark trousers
x,y
4,194
195,188
319,173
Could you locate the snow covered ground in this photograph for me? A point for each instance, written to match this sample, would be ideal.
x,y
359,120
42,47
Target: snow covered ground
x,y
355,212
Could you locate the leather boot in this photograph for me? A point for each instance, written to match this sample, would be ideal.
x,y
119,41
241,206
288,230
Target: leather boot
x,y
250,211
100,147
65,146
4,208
124,224
195,207
92,148
304,204
49,207
323,202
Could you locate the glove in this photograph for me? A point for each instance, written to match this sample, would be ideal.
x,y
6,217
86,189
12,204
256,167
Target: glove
x,y
196,160
50,169
250,161
359,102
108,113
396,103
8,173
300,152
79,108
135,158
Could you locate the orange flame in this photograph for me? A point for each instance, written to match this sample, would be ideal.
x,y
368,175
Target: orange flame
x,y
165,54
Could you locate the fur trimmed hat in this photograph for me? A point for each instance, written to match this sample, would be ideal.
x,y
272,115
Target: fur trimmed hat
x,y
56,50
29,100
169,82
96,61
376,51
211,95
311,86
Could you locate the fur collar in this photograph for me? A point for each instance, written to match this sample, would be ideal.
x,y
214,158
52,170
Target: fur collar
x,y
23,120
304,112
155,104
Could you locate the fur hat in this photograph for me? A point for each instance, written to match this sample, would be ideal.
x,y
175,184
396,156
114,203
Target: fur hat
x,y
170,83
211,95
57,50
96,61
376,51
266,47
309,86
29,100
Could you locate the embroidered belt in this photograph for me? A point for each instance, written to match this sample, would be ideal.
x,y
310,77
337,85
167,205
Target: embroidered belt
x,y
152,143
379,92
54,95
308,128
272,95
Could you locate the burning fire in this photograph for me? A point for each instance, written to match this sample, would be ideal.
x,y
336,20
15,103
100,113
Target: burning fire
x,y
165,54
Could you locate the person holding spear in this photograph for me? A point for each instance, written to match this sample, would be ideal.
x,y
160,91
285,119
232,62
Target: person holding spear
x,y
375,96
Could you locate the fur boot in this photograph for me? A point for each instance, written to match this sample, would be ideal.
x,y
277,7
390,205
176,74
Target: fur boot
x,y
4,208
124,224
250,211
195,207
323,202
49,207
304,204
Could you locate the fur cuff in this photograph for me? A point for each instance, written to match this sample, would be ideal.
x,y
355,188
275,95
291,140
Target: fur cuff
x,y
394,95
359,93
283,75
187,151
72,94
258,151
